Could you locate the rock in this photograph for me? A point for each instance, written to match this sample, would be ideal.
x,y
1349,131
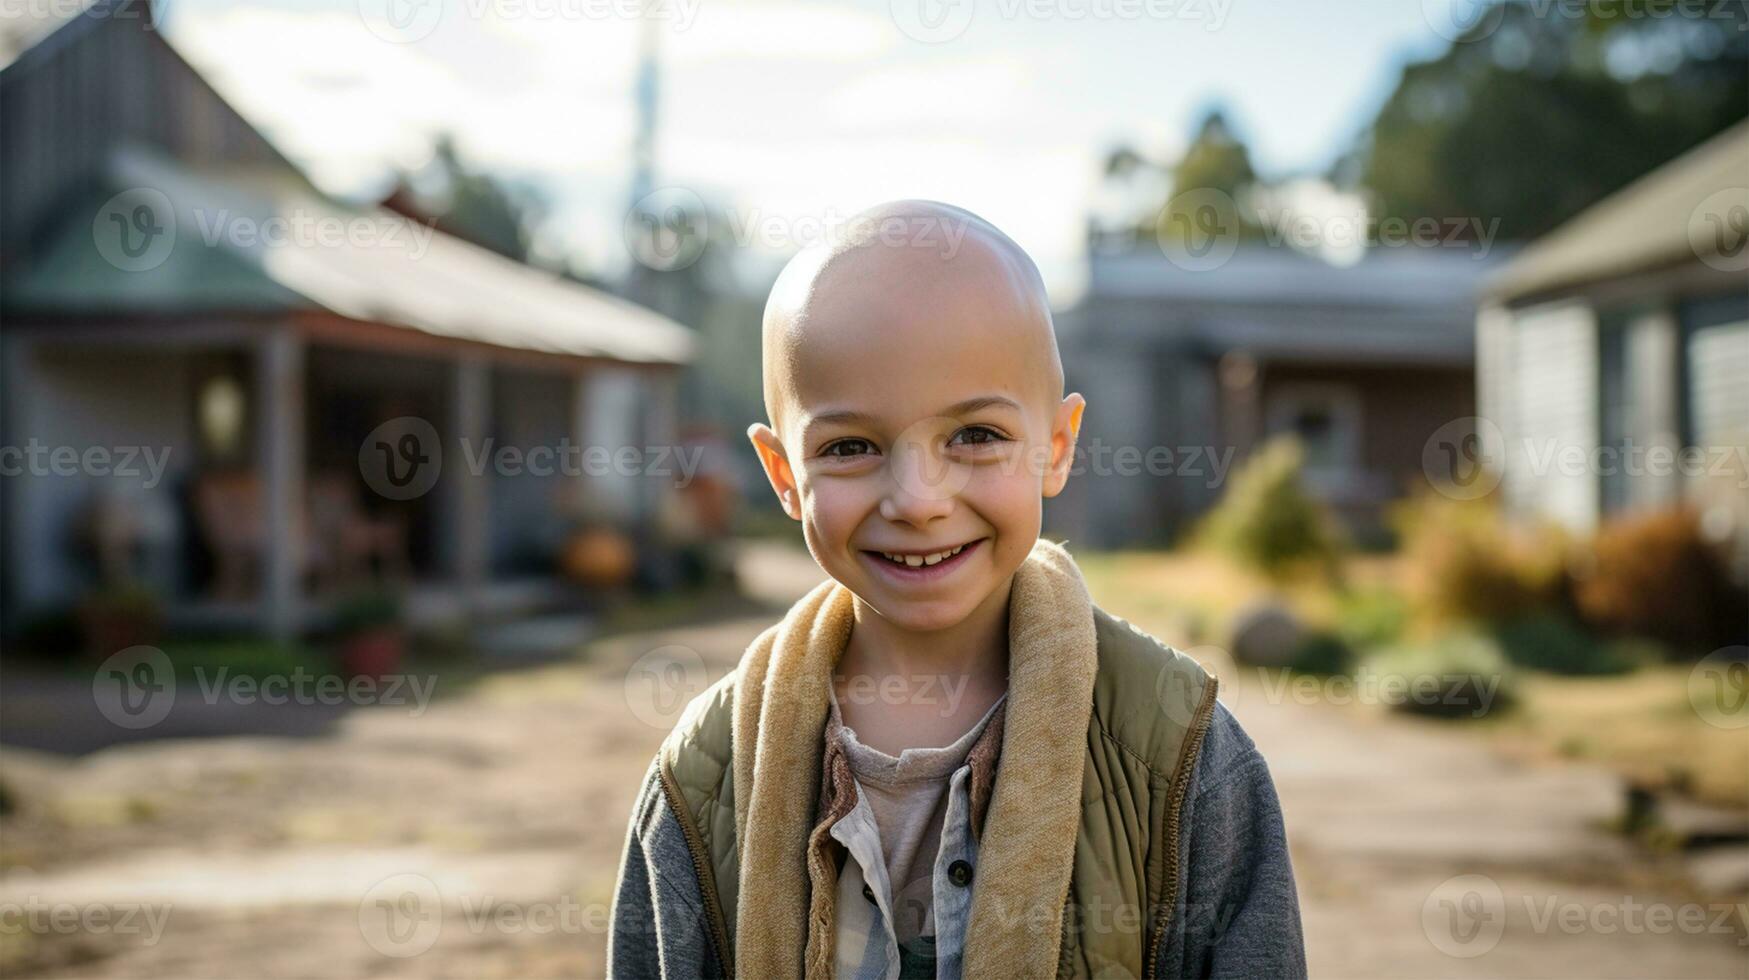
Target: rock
x,y
1265,634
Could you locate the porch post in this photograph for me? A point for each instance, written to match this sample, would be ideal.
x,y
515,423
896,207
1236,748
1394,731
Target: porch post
x,y
607,423
279,363
17,367
470,515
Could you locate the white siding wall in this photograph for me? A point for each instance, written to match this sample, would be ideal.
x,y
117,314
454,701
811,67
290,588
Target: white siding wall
x,y
1718,364
1549,414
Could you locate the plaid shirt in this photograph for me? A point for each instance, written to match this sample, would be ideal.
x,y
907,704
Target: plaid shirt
x,y
866,946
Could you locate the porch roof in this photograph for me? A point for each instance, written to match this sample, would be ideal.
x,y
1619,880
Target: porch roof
x,y
255,242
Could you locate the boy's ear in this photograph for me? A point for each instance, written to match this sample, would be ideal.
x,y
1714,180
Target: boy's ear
x,y
776,465
1064,432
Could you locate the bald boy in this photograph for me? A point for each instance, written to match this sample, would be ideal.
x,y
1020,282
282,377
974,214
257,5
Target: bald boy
x,y
932,756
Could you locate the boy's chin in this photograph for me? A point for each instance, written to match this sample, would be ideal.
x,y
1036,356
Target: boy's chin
x,y
916,615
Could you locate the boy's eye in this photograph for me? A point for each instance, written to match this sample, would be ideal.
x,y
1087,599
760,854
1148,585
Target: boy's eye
x,y
976,435
844,448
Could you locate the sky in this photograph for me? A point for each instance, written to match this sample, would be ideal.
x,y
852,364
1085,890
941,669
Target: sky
x,y
794,114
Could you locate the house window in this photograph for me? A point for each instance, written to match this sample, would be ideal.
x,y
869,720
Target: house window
x,y
1326,420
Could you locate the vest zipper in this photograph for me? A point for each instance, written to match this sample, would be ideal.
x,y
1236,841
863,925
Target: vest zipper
x,y
707,879
1199,726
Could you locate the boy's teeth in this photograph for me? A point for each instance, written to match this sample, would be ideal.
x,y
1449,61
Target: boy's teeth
x,y
916,561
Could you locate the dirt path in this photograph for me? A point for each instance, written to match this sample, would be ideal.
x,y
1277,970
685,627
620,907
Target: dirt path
x,y
1420,853
478,837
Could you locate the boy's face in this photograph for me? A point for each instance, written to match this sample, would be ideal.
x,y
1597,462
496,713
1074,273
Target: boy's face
x,y
920,425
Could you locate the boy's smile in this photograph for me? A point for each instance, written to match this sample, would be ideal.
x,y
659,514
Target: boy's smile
x,y
918,418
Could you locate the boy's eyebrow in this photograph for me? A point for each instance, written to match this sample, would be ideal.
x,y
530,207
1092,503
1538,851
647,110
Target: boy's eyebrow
x,y
851,417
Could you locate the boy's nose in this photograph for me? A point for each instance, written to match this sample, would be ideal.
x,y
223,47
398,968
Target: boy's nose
x,y
923,486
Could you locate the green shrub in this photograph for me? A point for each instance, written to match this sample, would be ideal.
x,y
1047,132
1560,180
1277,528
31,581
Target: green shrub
x,y
1323,653
1266,520
1463,563
1553,642
1371,617
1460,675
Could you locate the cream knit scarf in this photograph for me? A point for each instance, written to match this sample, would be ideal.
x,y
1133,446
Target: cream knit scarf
x,y
1028,839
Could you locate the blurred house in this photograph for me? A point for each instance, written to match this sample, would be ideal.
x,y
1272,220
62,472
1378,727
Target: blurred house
x,y
1185,372
1621,339
174,287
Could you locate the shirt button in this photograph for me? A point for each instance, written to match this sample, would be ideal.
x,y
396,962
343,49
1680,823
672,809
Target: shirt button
x,y
960,873
868,893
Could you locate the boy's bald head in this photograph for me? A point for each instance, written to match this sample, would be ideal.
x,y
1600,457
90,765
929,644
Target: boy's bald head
x,y
916,273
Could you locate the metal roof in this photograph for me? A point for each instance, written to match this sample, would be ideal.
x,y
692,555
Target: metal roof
x,y
264,241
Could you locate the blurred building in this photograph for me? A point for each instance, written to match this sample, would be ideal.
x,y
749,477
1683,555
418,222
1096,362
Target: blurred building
x,y
175,287
1186,371
1621,339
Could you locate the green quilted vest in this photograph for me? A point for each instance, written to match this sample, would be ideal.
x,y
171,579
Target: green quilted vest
x,y
1151,706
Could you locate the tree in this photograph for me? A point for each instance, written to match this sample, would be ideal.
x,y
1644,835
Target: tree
x,y
1542,109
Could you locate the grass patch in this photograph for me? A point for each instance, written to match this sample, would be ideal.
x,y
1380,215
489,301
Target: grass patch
x,y
1640,725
